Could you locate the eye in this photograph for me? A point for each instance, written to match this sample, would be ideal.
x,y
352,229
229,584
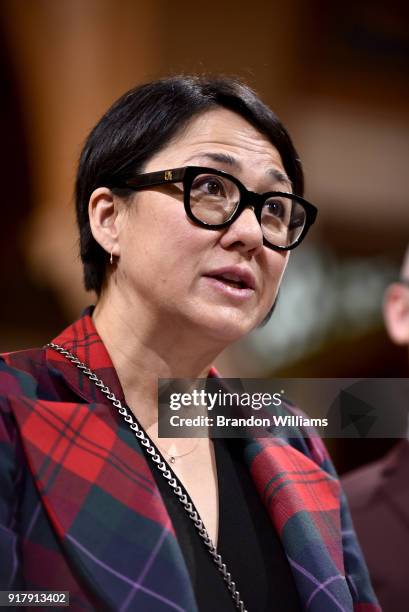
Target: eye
x,y
276,208
210,185
213,187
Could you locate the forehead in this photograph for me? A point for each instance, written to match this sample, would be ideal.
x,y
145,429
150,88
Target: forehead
x,y
224,137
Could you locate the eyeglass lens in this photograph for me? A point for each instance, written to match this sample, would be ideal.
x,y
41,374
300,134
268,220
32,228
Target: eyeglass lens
x,y
214,199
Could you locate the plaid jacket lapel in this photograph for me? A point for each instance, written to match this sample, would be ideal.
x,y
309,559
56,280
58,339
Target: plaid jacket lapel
x,y
97,488
303,501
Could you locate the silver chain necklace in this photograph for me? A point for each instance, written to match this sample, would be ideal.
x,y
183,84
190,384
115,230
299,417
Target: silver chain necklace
x,y
166,472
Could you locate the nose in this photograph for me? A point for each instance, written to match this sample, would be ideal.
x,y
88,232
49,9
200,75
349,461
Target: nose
x,y
244,234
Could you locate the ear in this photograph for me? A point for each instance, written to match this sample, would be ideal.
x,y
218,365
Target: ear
x,y
396,313
103,214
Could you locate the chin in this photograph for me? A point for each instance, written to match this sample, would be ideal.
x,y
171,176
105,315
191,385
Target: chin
x,y
227,326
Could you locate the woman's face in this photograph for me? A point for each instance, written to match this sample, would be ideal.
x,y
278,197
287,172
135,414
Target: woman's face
x,y
185,275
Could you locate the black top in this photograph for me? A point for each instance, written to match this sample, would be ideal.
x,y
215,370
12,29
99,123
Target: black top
x,y
247,542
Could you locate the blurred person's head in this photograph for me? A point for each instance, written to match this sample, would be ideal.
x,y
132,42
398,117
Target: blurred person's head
x,y
396,306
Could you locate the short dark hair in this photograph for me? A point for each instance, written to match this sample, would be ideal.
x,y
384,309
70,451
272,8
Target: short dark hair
x,y
141,123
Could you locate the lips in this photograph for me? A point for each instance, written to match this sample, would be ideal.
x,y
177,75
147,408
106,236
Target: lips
x,y
234,276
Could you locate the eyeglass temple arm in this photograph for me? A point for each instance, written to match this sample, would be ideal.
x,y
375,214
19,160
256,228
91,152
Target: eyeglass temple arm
x,y
151,179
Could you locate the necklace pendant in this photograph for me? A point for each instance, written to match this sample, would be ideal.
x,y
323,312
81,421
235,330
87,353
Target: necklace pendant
x,y
172,459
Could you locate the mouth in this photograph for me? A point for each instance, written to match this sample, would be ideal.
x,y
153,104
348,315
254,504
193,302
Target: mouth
x,y
236,281
231,282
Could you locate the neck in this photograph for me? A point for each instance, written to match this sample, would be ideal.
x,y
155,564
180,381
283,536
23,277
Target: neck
x,y
144,349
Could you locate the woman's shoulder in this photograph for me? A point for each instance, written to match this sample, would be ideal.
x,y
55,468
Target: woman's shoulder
x,y
19,375
20,371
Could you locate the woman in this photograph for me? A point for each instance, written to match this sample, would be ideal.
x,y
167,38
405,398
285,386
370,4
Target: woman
x,y
186,257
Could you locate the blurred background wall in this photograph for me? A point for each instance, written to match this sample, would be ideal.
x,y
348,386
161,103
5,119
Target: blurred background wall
x,y
336,74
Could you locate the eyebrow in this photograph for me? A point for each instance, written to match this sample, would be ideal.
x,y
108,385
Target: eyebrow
x,y
229,160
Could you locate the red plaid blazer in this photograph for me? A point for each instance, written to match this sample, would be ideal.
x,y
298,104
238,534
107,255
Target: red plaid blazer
x,y
80,510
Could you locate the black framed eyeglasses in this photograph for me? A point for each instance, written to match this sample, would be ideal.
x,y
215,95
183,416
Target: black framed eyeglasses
x,y
214,199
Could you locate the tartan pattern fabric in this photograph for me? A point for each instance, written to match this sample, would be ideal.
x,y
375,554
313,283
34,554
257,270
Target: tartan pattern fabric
x,y
80,509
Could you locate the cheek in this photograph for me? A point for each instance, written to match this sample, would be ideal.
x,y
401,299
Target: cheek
x,y
165,240
275,266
